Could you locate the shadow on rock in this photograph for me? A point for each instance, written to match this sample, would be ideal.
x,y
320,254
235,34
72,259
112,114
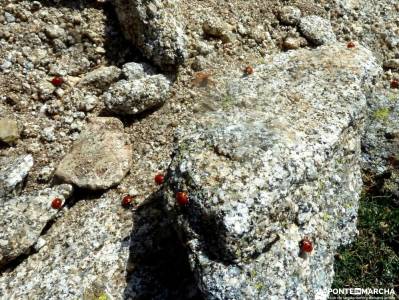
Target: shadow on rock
x,y
157,267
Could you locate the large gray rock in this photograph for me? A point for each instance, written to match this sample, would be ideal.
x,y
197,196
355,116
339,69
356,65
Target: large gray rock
x,y
100,158
279,162
12,173
23,218
153,27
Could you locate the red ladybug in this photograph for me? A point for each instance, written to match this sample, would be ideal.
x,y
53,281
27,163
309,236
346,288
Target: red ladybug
x,y
57,81
182,198
56,203
249,70
127,201
306,245
351,45
159,179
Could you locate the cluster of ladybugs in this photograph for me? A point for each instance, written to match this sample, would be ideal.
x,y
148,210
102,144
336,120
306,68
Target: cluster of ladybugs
x,y
181,197
306,246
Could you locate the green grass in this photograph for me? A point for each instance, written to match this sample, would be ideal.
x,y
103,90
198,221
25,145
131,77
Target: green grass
x,y
372,261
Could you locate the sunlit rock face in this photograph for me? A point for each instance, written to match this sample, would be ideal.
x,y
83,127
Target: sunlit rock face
x,y
277,161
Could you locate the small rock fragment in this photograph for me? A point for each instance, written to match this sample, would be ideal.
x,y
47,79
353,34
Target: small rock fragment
x,y
101,78
132,97
132,70
48,134
54,31
217,28
289,15
46,89
100,158
88,103
291,43
9,130
317,30
12,173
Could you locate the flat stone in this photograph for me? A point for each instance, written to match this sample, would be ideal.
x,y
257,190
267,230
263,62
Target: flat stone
x,y
276,162
12,173
9,130
100,158
23,218
317,30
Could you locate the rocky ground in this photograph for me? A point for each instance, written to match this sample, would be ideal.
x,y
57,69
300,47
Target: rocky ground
x,y
95,97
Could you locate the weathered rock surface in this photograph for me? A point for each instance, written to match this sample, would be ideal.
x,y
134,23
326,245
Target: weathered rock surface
x,y
23,218
317,30
12,173
101,78
100,158
380,143
154,28
289,15
9,130
132,70
129,97
82,256
279,162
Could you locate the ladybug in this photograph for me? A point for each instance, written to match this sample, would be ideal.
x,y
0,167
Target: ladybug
x,y
159,179
57,81
127,201
306,245
351,45
249,70
182,198
56,203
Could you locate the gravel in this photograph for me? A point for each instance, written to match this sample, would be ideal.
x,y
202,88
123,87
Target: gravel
x,y
159,66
